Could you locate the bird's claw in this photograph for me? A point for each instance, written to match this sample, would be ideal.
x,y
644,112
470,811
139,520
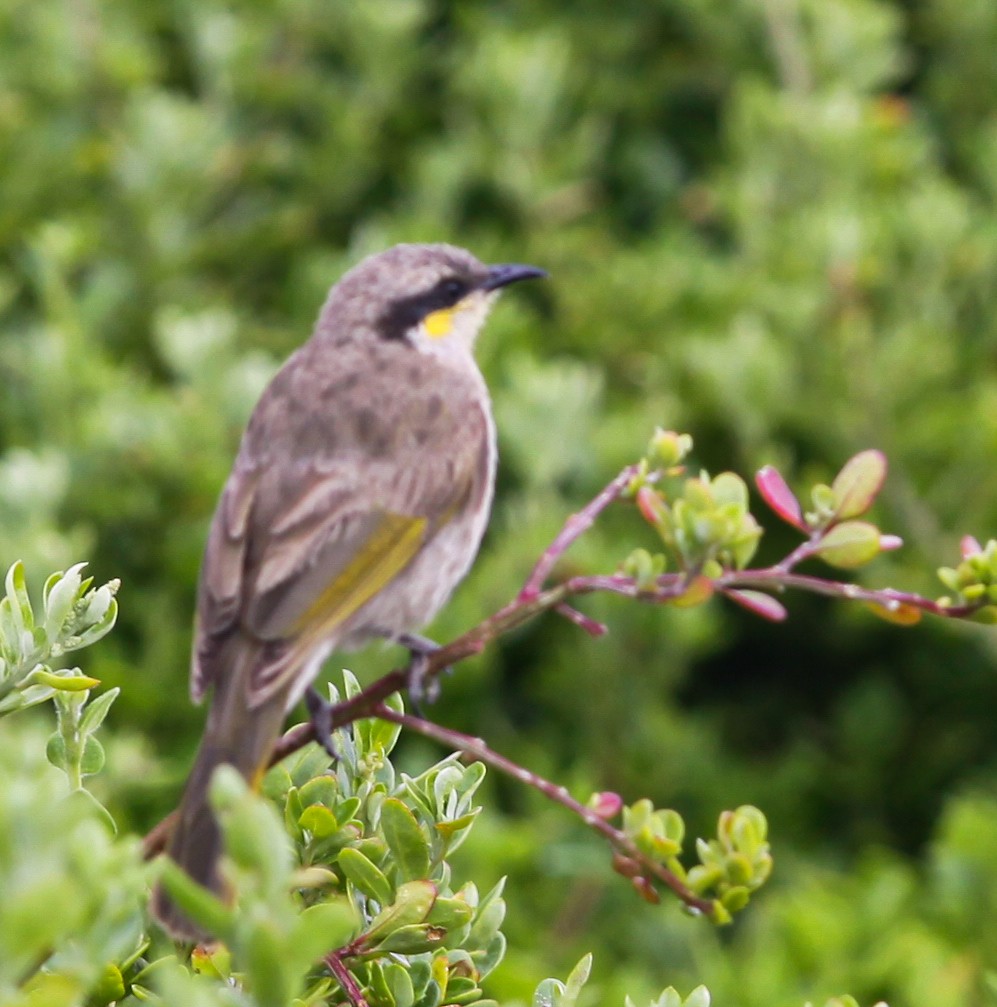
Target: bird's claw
x,y
421,687
320,717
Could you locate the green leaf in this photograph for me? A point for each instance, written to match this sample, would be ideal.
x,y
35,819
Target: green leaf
x,y
449,829
271,979
858,483
64,681
464,780
17,595
849,545
319,821
735,899
96,711
100,628
400,983
413,939
825,502
109,988
450,913
730,489
351,684
50,990
464,990
321,790
254,837
381,992
577,979
320,929
95,809
59,595
193,900
489,917
23,698
365,876
406,841
93,758
55,751
491,955
549,993
413,902
699,997
667,448
382,735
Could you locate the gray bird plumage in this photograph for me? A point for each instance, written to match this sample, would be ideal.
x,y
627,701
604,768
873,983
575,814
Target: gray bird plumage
x,y
356,504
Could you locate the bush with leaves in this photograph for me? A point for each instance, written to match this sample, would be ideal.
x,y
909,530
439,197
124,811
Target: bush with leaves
x,y
340,878
770,223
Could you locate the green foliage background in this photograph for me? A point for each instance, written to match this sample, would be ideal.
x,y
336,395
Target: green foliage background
x,y
768,222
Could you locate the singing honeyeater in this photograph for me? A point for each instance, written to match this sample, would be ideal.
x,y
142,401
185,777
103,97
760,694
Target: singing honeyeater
x,y
357,502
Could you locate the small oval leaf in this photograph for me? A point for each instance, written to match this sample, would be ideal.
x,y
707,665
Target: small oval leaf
x,y
408,844
96,711
55,751
413,903
777,494
93,758
63,682
899,613
651,506
319,821
366,876
697,592
760,603
849,545
858,483
415,939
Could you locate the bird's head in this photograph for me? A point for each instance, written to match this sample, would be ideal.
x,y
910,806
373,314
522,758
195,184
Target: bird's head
x,y
436,297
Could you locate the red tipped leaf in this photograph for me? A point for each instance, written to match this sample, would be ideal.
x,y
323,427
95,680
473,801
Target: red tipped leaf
x,y
759,603
777,494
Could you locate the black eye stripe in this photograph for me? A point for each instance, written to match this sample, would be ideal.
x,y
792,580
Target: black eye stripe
x,y
451,290
409,311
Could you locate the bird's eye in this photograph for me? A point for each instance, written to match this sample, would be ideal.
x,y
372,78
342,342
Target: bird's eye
x,y
453,290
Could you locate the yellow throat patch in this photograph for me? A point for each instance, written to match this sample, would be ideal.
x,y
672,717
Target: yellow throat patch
x,y
439,323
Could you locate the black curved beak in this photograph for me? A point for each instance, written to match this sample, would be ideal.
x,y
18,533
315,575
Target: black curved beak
x,y
510,272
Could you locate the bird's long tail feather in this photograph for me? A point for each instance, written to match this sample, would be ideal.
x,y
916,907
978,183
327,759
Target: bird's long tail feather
x,y
235,736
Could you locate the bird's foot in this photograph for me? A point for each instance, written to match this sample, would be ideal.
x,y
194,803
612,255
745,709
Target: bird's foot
x,y
320,716
421,688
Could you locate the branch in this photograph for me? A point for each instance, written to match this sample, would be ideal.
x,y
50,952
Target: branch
x,y
853,491
573,529
477,748
886,597
336,965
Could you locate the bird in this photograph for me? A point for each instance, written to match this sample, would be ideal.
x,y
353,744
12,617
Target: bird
x,y
356,504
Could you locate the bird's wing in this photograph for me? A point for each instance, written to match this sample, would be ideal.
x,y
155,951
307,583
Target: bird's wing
x,y
292,554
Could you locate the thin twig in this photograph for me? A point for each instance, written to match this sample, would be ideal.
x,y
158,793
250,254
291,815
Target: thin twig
x,y
534,599
774,578
580,619
345,978
573,529
477,748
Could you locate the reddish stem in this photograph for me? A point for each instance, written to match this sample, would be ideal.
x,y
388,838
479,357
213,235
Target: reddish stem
x,y
573,529
534,599
477,748
776,578
580,619
345,978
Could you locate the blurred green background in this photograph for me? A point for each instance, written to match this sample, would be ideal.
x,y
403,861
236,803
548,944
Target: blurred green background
x,y
770,223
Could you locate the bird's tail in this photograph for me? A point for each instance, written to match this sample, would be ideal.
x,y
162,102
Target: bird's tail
x,y
237,736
